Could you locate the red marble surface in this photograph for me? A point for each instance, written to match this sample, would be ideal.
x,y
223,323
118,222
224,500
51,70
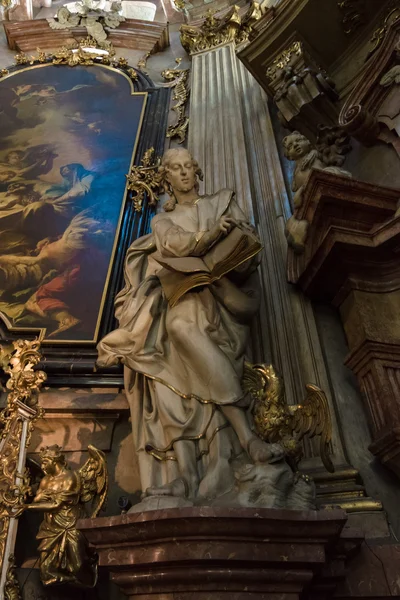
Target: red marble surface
x,y
200,553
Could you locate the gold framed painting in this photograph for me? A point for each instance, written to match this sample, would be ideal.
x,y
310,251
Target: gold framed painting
x,y
68,137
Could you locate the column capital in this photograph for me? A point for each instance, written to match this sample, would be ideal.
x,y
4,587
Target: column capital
x,y
213,32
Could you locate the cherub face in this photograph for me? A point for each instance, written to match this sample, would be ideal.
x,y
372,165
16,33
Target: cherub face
x,y
296,146
181,172
6,175
14,158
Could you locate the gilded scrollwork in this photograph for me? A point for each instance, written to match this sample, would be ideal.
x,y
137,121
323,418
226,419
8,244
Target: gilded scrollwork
x,y
215,31
11,587
145,179
277,423
353,14
284,59
142,62
24,383
82,53
392,16
17,360
178,79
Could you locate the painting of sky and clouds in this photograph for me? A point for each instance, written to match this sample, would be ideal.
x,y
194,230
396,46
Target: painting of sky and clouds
x,y
67,139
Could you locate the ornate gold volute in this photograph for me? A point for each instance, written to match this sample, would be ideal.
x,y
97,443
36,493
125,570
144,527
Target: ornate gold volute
x,y
145,179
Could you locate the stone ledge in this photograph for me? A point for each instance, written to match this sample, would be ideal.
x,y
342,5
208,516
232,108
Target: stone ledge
x,y
222,553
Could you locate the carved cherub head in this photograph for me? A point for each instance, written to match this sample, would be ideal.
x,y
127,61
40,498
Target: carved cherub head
x,y
179,171
50,456
296,146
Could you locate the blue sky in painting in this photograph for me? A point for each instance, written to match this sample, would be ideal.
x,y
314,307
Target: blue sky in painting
x,y
50,117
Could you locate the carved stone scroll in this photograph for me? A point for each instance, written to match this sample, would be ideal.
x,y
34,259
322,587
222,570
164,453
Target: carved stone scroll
x,y
372,111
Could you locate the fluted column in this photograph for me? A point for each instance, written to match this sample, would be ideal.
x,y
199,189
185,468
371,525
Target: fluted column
x,y
231,136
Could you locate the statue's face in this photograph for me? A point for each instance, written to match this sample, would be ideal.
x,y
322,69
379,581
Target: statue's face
x,y
181,172
296,146
48,465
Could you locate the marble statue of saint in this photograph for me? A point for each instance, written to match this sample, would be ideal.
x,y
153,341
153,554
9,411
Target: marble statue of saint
x,y
184,363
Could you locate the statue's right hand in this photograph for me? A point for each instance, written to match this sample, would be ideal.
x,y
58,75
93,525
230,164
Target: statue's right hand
x,y
225,224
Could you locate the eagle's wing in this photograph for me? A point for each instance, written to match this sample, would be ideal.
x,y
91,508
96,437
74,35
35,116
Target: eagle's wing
x,y
94,480
313,418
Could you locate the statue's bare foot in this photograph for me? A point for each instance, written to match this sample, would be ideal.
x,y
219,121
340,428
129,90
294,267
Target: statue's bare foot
x,y
261,452
177,488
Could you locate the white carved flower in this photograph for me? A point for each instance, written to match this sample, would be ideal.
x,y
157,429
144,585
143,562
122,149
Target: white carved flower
x,y
116,6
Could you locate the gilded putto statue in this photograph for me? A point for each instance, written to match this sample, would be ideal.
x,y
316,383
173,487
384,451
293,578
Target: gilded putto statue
x,y
62,494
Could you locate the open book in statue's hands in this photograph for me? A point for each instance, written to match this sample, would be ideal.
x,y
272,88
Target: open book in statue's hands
x,y
182,274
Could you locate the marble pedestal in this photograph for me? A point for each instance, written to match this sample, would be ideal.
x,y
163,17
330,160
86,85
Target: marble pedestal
x,y
203,553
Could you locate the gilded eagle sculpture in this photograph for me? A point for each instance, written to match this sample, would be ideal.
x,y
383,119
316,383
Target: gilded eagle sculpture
x,y
276,422
62,494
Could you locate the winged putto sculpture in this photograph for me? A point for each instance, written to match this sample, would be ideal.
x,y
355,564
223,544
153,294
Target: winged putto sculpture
x,y
276,422
62,494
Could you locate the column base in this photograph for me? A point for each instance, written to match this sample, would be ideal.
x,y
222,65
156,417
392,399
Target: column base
x,y
201,553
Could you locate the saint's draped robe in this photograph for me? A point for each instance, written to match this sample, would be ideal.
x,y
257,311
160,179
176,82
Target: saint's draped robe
x,y
182,363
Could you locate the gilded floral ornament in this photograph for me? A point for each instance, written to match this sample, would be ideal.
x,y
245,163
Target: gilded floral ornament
x,y
215,31
132,74
145,179
179,80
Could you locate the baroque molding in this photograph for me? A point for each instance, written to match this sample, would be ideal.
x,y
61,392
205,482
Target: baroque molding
x,y
302,91
370,113
27,36
83,53
216,31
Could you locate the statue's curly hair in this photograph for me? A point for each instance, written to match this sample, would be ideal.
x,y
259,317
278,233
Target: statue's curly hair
x,y
163,171
291,134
